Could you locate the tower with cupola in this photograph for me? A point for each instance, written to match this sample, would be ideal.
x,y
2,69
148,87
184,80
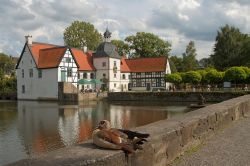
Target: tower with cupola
x,y
107,62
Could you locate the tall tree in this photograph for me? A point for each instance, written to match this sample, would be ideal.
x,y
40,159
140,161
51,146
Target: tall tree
x,y
206,62
177,61
147,45
122,47
189,57
80,34
228,48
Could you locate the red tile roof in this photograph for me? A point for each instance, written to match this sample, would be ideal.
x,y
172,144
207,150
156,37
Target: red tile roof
x,y
85,61
124,65
155,64
49,58
36,47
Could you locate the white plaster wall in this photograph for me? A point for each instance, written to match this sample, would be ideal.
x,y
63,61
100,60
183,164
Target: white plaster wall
x,y
168,71
114,82
125,82
35,88
100,70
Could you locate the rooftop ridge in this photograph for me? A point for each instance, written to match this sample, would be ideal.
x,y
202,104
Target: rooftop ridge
x,y
145,58
44,43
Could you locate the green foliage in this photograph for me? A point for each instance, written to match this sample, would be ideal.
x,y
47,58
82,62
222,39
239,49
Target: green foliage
x,y
173,78
192,77
206,62
80,34
228,48
177,61
213,76
147,45
122,47
172,66
7,64
247,71
203,74
8,85
235,74
189,57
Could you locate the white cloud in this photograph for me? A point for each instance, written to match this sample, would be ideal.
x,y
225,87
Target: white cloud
x,y
177,21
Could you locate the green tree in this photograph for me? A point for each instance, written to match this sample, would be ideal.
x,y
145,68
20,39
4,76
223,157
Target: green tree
x,y
192,77
7,64
177,62
206,62
172,66
173,78
214,77
147,45
189,57
122,47
203,74
228,48
80,34
235,74
247,71
246,52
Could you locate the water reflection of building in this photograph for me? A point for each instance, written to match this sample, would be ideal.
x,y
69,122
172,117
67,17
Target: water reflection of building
x,y
68,125
37,126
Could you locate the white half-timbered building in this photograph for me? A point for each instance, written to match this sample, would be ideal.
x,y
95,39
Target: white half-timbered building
x,y
42,66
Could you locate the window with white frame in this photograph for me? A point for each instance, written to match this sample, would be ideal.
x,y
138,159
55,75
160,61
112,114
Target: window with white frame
x,y
69,72
85,75
68,60
92,75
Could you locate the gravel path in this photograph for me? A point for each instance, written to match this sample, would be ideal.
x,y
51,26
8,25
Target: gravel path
x,y
230,147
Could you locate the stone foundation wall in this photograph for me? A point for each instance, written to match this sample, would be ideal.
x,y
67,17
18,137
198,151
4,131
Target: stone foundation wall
x,y
169,139
173,96
8,96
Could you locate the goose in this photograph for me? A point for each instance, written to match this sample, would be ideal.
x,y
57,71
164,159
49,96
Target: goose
x,y
111,138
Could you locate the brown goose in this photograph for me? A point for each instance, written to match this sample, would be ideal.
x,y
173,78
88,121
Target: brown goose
x,y
106,137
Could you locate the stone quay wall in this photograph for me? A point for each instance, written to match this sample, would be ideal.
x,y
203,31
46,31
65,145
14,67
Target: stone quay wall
x,y
173,96
168,139
8,96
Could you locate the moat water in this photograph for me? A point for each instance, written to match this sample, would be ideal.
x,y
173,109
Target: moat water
x,y
29,128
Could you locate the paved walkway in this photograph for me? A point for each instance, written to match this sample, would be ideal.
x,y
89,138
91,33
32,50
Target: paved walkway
x,y
230,147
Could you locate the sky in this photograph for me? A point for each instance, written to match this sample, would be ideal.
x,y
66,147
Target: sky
x,y
177,21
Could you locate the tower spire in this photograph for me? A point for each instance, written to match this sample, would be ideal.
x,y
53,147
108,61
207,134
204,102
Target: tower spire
x,y
107,35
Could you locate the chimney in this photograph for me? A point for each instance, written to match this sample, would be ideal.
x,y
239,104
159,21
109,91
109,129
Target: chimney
x,y
28,39
85,49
